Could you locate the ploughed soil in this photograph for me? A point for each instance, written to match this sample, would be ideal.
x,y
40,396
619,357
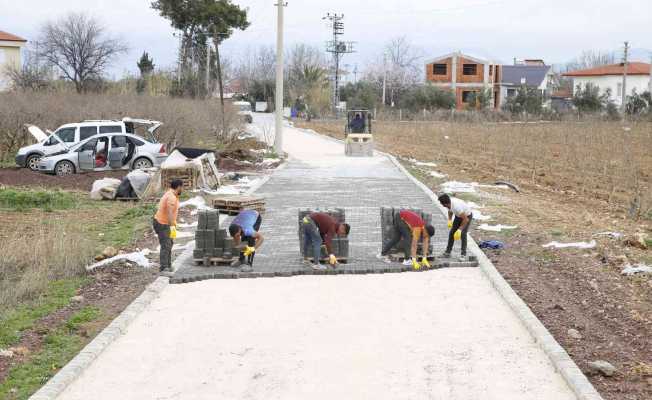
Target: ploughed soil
x,y
27,178
565,288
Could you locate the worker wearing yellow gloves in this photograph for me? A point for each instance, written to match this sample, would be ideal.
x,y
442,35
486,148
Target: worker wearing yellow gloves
x,y
245,228
321,228
165,223
410,227
460,216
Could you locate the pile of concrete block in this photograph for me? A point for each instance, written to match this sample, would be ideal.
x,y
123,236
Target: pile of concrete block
x,y
340,244
212,244
359,145
388,218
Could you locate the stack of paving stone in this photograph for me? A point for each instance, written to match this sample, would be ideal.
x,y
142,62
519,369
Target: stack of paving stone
x,y
388,217
213,246
340,244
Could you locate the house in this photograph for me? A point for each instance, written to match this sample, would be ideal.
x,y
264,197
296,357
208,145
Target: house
x,y
610,78
463,74
10,46
532,75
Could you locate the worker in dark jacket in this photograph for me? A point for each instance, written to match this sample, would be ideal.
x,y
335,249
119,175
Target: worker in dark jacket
x,y
357,124
411,228
321,228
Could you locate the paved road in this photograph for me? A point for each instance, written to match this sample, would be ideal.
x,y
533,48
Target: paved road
x,y
443,334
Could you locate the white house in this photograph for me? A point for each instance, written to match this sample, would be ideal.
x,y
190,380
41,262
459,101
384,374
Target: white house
x,y
534,76
610,77
10,46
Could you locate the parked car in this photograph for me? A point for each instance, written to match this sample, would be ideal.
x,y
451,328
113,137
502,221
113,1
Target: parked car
x,y
244,111
70,134
105,152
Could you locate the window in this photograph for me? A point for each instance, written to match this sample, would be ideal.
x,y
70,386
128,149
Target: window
x,y
129,127
511,92
89,146
491,70
440,69
470,69
118,141
467,96
619,90
111,129
87,131
136,142
67,134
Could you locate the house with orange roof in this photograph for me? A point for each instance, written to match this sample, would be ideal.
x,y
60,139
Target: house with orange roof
x,y
610,77
10,56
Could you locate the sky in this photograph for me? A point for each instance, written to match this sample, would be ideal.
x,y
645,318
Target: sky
x,y
553,30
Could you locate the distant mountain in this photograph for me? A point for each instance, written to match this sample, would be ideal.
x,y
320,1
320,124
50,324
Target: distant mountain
x,y
640,54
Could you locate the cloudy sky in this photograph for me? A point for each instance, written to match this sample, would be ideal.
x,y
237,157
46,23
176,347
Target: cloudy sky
x,y
555,30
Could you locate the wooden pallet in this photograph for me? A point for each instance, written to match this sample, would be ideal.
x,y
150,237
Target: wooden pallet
x,y
189,177
238,201
214,261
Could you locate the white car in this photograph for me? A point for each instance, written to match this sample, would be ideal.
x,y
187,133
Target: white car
x,y
68,135
244,111
105,152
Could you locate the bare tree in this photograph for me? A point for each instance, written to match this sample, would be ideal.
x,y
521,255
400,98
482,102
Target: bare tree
x,y
79,47
591,59
32,75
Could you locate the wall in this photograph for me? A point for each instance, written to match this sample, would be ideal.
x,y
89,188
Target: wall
x,y
431,77
634,82
477,78
10,57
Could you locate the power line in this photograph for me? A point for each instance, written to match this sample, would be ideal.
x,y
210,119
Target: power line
x,y
337,48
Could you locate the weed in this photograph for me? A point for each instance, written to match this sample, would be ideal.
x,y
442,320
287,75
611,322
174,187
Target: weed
x,y
556,233
126,227
47,200
57,296
58,348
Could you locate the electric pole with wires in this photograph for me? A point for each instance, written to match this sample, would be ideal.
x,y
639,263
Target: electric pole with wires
x,y
337,48
625,65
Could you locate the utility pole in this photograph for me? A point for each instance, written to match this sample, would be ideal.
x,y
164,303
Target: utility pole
x,y
337,48
278,136
649,85
625,62
384,78
208,67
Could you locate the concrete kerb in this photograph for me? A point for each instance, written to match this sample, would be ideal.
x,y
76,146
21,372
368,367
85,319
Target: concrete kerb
x,y
75,367
562,362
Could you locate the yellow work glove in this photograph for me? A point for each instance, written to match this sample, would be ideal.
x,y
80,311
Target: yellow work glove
x,y
248,251
450,223
425,263
457,235
332,259
173,232
415,264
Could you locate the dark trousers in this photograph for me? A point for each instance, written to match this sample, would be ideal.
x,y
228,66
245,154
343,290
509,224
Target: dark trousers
x,y
311,236
163,233
401,231
451,235
251,241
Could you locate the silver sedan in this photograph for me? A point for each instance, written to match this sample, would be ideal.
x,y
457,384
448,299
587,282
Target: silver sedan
x,y
105,152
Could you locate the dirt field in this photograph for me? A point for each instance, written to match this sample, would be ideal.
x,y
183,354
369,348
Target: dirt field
x,y
576,181
22,177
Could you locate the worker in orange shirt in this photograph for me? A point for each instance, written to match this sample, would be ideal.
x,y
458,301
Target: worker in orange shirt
x,y
165,223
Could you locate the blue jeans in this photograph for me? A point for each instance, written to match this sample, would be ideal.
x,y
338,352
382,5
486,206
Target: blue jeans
x,y
311,236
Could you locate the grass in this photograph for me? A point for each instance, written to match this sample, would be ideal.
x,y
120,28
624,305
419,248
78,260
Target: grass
x,y
56,297
58,348
25,199
126,227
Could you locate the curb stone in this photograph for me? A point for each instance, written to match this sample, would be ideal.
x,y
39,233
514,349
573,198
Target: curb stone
x,y
559,358
75,367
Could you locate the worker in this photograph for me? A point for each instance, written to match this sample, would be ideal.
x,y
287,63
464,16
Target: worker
x,y
244,228
165,223
321,228
459,227
410,228
357,124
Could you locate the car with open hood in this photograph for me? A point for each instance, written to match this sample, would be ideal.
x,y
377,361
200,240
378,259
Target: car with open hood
x,y
105,152
68,135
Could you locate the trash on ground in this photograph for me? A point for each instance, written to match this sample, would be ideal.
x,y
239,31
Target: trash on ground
x,y
436,174
492,244
602,367
421,163
637,269
495,228
198,202
138,257
104,188
613,235
479,216
579,245
509,185
639,240
458,187
195,167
